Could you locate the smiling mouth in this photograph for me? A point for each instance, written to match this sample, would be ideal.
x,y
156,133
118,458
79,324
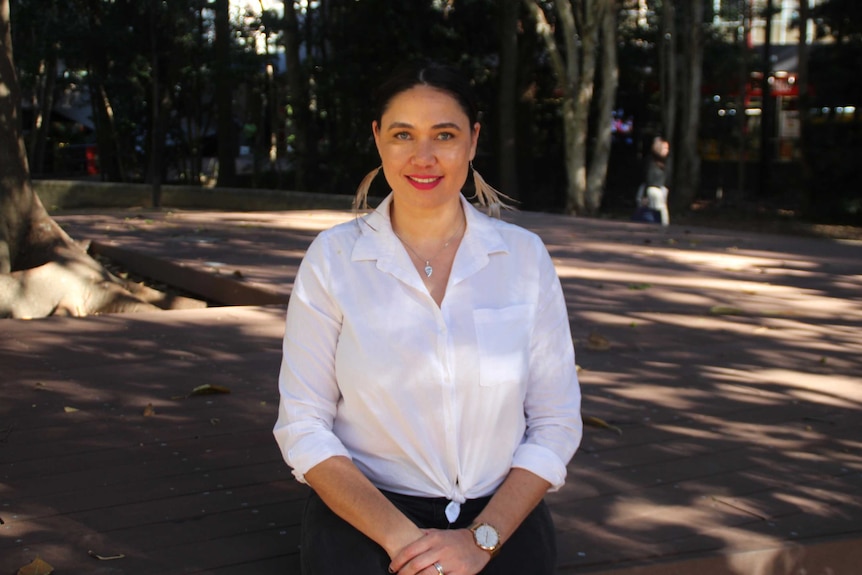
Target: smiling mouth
x,y
428,180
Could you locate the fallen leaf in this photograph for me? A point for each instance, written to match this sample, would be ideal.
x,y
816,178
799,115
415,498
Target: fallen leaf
x,y
36,567
598,342
601,423
215,421
209,389
68,409
149,410
95,555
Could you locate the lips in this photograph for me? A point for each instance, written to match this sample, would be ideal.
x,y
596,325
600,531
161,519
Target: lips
x,y
424,182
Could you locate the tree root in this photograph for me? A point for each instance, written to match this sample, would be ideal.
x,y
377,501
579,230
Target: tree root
x,y
73,284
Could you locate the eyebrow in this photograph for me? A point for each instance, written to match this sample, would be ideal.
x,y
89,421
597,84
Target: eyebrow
x,y
441,126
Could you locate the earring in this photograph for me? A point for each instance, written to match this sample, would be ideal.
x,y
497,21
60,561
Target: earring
x,y
488,196
360,201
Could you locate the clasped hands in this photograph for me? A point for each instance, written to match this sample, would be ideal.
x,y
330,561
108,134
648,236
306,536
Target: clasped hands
x,y
453,550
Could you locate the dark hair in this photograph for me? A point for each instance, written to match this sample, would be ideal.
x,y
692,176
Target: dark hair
x,y
440,76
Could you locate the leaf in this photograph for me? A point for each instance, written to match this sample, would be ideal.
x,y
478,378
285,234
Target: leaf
x,y
68,409
149,410
209,389
598,342
36,567
601,423
95,555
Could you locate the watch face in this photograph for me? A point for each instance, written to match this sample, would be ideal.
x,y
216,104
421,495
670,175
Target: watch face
x,y
486,536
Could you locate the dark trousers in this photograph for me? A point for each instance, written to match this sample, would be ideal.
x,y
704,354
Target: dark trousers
x,y
329,545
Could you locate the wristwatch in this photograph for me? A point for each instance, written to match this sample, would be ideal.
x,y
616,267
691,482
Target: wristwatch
x,y
486,538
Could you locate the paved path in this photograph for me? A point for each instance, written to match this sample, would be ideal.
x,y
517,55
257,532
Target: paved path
x,y
729,362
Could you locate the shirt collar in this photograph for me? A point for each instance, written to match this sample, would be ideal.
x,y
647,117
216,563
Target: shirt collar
x,y
377,241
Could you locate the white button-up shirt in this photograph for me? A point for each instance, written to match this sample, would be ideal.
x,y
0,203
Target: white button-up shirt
x,y
426,400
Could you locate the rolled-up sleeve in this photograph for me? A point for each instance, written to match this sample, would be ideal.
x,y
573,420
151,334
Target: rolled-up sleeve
x,y
553,400
307,385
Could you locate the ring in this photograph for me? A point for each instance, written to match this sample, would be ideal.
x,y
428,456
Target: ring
x,y
439,568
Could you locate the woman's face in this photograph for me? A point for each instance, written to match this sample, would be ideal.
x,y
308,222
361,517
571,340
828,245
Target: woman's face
x,y
426,143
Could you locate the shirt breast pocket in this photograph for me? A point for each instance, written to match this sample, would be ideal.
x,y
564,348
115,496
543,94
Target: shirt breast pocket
x,y
503,339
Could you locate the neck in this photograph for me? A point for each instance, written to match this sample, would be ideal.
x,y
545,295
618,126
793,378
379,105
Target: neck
x,y
426,226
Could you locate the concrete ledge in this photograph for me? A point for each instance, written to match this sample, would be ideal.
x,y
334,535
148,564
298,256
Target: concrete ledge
x,y
75,194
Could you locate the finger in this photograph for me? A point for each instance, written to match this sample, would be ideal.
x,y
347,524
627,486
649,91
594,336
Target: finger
x,y
409,554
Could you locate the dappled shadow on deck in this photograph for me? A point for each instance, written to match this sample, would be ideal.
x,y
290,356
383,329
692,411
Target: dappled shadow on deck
x,y
728,361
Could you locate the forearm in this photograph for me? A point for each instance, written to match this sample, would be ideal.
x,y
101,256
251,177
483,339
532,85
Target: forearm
x,y
351,496
514,500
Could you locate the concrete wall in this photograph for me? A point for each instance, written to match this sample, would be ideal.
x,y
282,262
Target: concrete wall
x,y
59,195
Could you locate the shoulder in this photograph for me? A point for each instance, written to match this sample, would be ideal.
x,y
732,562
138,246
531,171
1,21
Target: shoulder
x,y
333,244
345,233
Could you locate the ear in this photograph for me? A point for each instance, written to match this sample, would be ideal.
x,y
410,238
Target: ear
x,y
474,137
375,131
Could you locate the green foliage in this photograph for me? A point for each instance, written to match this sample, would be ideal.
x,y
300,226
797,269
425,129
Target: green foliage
x,y
346,47
364,41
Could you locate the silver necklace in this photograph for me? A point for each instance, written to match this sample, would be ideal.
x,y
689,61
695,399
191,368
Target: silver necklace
x,y
428,268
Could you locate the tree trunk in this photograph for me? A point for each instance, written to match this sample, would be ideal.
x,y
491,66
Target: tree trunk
x,y
110,164
508,98
686,182
103,115
767,106
589,36
224,96
297,96
598,171
803,101
667,70
42,270
42,108
575,71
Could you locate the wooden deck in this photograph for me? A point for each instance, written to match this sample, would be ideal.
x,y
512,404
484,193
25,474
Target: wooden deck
x,y
730,364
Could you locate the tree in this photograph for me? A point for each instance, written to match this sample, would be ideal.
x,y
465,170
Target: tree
x,y
680,48
584,35
224,95
508,157
609,79
686,166
42,270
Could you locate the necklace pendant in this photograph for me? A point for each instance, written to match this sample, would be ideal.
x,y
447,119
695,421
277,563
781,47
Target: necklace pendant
x,y
428,269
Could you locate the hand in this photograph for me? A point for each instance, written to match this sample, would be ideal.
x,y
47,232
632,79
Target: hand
x,y
453,549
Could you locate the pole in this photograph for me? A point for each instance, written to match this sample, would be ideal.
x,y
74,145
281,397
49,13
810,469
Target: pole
x,y
766,108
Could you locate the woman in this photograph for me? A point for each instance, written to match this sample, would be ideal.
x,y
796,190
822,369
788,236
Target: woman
x,y
428,387
652,194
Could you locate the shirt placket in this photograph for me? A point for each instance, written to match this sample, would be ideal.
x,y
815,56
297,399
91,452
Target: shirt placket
x,y
449,411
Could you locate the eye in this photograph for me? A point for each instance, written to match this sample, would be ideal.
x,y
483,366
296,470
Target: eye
x,y
401,135
445,136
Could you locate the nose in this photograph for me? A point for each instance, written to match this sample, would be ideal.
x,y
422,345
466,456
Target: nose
x,y
423,154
